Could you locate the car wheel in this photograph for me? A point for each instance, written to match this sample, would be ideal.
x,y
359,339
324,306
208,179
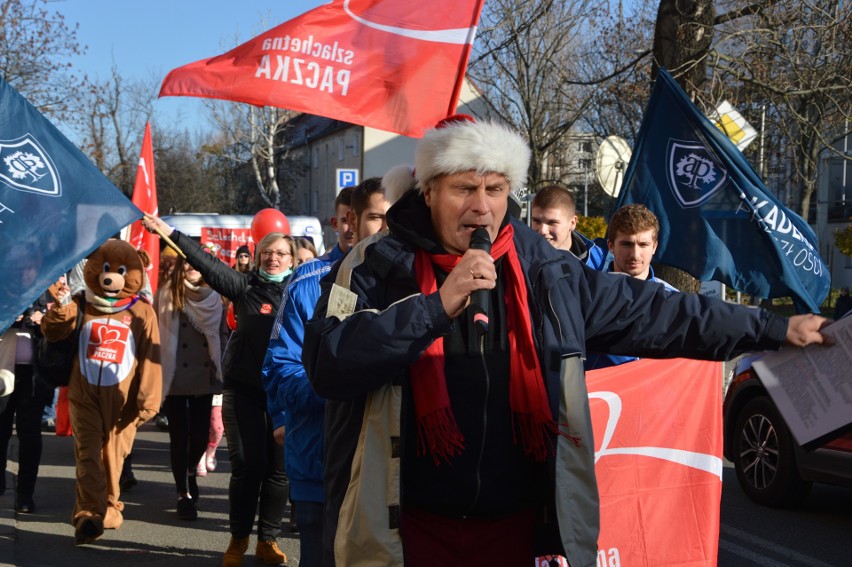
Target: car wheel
x,y
764,456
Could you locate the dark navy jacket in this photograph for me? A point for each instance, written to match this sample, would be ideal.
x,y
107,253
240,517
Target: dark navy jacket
x,y
573,308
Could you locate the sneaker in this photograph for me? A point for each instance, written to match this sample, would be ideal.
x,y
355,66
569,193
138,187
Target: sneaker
x,y
186,508
210,459
25,505
269,554
200,470
48,425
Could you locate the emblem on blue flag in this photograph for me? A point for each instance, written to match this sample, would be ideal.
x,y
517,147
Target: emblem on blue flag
x,y
24,165
694,175
56,206
718,221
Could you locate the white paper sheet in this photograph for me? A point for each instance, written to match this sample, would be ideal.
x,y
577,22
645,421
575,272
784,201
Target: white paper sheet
x,y
812,386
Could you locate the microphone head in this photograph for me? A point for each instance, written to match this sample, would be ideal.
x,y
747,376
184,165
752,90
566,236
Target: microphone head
x,y
481,240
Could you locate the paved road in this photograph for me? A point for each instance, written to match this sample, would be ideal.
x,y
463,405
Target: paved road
x,y
151,534
815,534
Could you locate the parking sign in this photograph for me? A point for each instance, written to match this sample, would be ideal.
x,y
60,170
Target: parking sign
x,y
346,178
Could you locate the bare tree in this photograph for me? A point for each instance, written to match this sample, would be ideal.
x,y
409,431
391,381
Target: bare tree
x,y
189,180
254,140
790,59
615,61
111,119
525,62
36,48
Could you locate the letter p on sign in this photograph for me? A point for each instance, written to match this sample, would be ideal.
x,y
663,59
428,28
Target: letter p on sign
x,y
346,178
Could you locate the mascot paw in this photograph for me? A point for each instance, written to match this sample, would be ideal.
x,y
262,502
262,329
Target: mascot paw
x,y
87,530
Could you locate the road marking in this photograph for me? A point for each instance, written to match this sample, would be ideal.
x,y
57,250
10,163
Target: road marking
x,y
751,556
771,546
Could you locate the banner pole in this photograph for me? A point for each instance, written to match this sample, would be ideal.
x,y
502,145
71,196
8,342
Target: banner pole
x,y
168,241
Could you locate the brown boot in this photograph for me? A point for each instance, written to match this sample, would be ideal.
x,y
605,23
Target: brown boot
x,y
236,550
268,552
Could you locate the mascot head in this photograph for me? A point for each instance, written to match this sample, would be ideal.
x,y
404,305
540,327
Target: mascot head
x,y
116,270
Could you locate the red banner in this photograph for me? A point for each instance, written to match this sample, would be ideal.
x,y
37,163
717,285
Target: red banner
x,y
145,197
395,66
225,241
658,451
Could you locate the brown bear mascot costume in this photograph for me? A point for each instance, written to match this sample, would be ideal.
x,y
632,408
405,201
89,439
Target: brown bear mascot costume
x,y
116,382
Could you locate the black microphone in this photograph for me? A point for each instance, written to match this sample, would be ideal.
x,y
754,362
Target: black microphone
x,y
480,240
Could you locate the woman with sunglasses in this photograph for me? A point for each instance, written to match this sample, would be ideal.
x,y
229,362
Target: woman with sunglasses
x,y
258,485
244,261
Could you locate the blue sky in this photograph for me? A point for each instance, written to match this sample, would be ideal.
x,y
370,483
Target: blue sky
x,y
151,38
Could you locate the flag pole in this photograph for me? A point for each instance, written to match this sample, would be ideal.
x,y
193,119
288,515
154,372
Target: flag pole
x,y
169,241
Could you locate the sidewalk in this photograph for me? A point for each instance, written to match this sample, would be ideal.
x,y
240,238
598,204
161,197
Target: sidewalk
x,y
151,532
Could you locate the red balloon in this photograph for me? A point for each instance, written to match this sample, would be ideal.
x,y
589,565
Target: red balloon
x,y
266,221
231,318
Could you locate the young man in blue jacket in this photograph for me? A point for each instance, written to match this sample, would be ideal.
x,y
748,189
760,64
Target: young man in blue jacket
x,y
632,241
445,446
554,217
297,412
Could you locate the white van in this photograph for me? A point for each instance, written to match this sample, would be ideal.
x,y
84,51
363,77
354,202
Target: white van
x,y
192,223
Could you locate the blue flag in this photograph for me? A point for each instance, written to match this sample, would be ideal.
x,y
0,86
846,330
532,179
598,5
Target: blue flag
x,y
717,219
55,205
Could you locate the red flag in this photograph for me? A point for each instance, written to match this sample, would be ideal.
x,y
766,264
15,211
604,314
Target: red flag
x,y
395,66
658,453
145,197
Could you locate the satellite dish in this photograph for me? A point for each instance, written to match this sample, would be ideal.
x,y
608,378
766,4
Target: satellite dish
x,y
611,163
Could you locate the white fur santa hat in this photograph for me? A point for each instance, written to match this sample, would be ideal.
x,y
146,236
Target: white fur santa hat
x,y
458,144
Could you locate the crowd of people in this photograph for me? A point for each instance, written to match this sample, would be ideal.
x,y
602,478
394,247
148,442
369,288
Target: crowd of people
x,y
359,386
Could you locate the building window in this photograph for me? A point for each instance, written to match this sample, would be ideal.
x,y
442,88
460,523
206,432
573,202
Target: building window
x,y
340,150
584,164
356,144
586,146
314,202
316,158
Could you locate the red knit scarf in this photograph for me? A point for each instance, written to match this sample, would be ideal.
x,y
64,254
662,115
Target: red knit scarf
x,y
437,427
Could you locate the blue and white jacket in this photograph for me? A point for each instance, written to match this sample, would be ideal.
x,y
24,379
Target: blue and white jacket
x,y
372,324
290,400
596,360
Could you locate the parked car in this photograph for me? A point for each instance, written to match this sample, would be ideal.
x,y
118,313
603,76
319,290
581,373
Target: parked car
x,y
771,467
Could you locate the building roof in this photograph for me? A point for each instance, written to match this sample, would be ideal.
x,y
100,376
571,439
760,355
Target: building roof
x,y
305,128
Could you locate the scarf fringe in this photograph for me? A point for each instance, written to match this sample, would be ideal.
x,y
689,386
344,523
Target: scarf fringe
x,y
439,432
537,435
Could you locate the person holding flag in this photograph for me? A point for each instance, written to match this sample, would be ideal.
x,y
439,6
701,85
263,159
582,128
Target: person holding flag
x,y
259,486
